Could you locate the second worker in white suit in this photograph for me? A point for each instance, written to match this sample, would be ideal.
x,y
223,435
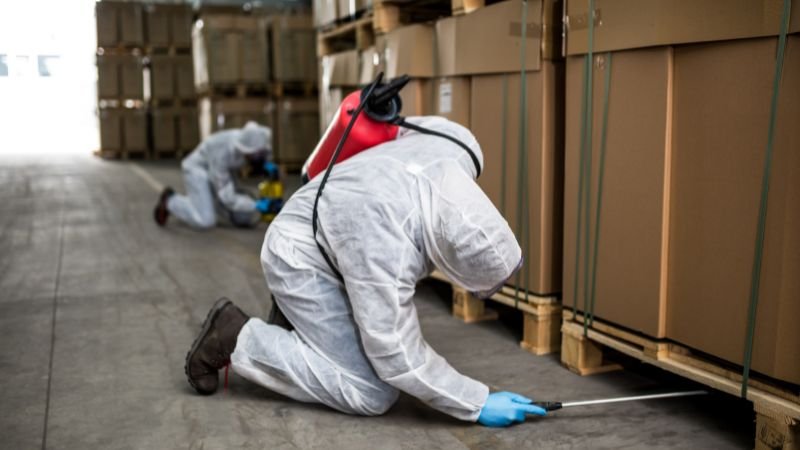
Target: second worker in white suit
x,y
389,216
208,178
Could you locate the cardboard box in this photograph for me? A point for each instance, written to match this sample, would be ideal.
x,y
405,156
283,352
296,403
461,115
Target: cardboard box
x,y
110,130
221,114
370,65
408,51
418,98
229,49
134,130
162,77
107,28
325,12
489,40
631,250
339,69
164,129
720,121
626,24
120,77
298,130
294,48
495,121
188,132
131,23
184,76
174,129
349,8
168,25
119,23
453,99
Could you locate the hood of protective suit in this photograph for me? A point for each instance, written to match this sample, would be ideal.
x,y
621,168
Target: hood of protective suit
x,y
466,237
254,138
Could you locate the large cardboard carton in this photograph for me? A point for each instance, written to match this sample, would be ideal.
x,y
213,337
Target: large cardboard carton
x,y
408,50
489,40
164,129
120,77
325,12
293,48
339,69
721,116
224,113
369,66
298,129
452,95
229,49
110,130
631,249
134,130
171,77
162,77
168,25
418,98
495,121
119,23
625,24
188,132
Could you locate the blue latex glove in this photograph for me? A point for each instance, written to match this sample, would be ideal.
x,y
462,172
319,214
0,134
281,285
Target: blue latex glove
x,y
262,205
505,408
271,169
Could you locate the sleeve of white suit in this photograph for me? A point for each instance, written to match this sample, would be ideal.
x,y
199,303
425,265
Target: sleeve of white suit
x,y
226,189
371,262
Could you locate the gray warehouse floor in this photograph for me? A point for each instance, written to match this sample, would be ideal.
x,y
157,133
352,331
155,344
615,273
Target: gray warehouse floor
x,y
98,307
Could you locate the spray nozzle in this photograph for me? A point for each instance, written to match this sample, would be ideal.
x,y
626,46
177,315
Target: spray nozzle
x,y
384,104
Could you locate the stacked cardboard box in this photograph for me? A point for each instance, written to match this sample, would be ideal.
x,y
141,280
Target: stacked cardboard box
x,y
686,131
120,78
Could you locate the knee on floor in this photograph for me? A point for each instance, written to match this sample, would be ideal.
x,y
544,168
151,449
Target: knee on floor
x,y
373,404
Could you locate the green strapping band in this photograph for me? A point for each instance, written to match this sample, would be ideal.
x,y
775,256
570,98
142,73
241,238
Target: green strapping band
x,y
580,193
503,148
755,277
601,172
587,163
522,179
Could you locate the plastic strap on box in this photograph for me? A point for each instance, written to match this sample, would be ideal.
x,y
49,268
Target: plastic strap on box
x,y
522,179
600,176
755,278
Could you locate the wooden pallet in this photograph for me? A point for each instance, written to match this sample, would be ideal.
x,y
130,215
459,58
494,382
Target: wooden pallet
x,y
235,90
172,102
357,34
541,315
168,154
391,14
777,406
280,89
170,50
122,154
127,103
121,49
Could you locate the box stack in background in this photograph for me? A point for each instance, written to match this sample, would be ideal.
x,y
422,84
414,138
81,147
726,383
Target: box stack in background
x,y
678,112
259,67
145,87
172,99
120,79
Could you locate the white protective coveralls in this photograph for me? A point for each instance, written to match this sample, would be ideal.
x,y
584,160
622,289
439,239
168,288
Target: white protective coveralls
x,y
207,171
387,217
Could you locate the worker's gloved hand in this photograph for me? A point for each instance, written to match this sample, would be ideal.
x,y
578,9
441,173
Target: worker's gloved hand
x,y
505,408
263,205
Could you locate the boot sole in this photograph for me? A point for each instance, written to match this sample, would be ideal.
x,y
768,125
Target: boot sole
x,y
207,324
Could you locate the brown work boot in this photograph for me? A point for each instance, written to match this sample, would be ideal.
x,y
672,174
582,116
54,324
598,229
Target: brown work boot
x,y
161,213
212,349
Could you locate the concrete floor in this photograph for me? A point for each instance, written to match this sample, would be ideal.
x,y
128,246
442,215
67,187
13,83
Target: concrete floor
x,y
98,307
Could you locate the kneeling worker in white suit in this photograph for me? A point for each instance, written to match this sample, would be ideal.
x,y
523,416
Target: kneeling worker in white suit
x,y
207,174
352,339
